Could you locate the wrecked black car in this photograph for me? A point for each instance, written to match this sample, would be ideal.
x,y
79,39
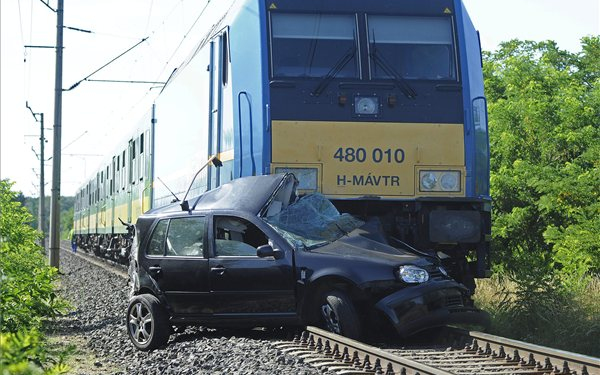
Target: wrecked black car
x,y
252,253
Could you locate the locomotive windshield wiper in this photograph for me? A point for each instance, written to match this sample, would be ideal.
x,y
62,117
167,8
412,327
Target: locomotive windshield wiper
x,y
408,91
339,65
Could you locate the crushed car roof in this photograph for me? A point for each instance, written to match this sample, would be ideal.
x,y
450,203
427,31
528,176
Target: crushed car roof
x,y
249,194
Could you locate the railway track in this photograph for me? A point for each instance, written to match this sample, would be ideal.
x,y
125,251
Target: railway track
x,y
468,352
482,354
107,264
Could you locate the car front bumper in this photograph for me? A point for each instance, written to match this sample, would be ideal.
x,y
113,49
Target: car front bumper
x,y
433,304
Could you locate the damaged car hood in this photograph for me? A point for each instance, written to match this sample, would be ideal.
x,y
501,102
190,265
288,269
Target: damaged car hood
x,y
358,245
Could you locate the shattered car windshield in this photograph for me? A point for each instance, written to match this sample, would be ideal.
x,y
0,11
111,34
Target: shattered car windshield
x,y
313,221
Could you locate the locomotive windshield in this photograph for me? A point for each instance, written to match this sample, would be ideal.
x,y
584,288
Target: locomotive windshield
x,y
416,47
400,47
309,45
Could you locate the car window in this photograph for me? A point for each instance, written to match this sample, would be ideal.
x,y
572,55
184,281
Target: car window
x,y
157,241
237,237
313,221
186,237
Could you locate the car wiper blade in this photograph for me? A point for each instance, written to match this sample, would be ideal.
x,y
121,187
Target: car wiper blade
x,y
408,91
406,246
335,69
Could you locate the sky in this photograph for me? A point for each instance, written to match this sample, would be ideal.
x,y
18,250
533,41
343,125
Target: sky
x,y
97,115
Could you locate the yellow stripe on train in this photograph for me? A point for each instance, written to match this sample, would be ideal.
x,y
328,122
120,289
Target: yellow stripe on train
x,y
356,159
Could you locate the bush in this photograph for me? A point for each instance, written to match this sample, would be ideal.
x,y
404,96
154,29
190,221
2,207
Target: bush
x,y
544,111
26,282
544,312
27,295
24,353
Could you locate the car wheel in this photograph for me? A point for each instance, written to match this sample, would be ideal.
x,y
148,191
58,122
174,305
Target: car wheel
x,y
147,322
339,315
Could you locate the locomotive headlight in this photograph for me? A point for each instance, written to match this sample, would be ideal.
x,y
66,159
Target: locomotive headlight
x,y
412,274
439,181
428,181
450,181
366,105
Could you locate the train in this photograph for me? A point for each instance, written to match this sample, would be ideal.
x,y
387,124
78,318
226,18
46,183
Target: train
x,y
377,104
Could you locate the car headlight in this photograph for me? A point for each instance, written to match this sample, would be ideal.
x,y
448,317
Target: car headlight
x,y
412,274
439,181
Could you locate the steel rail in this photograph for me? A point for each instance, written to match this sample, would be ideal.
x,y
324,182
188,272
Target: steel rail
x,y
326,350
554,360
103,263
483,354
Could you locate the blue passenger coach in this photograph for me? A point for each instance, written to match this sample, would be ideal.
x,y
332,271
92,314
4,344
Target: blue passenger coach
x,y
377,104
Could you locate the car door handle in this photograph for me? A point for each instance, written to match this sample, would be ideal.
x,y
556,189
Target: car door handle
x,y
218,269
155,269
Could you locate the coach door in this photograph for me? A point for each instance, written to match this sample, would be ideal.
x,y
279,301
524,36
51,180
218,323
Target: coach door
x,y
113,190
129,179
220,121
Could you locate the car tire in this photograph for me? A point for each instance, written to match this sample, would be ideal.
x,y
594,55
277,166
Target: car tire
x,y
339,315
147,322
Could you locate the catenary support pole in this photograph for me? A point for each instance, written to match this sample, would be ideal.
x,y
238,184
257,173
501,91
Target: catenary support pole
x,y
54,249
42,203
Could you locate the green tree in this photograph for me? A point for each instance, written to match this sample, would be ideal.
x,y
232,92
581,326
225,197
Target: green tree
x,y
544,119
544,111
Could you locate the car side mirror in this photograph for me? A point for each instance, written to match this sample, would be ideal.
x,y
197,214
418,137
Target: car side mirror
x,y
268,251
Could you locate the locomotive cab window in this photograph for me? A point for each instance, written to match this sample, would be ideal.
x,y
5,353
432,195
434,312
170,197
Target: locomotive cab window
x,y
412,47
312,45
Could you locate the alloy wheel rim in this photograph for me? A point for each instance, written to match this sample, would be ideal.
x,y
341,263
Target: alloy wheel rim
x,y
331,320
140,323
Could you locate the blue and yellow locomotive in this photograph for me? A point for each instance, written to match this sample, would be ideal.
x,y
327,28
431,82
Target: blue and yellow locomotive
x,y
377,104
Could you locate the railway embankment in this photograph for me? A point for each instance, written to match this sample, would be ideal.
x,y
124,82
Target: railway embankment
x,y
96,325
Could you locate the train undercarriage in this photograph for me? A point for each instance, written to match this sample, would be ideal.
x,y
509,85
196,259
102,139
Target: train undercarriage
x,y
115,247
457,232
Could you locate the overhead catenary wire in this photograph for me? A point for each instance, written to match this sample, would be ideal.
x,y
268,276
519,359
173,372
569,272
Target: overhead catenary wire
x,y
149,16
48,5
150,36
164,24
184,37
104,66
143,97
21,23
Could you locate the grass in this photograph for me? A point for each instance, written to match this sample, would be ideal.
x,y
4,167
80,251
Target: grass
x,y
561,318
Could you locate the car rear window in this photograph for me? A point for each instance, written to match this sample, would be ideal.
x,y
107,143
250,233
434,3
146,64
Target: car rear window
x,y
157,241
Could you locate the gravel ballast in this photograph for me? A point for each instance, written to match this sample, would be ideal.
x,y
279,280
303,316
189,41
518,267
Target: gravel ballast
x,y
97,320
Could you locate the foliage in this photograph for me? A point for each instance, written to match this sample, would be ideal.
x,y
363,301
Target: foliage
x,y
66,216
544,119
66,223
27,295
26,288
544,111
24,353
568,320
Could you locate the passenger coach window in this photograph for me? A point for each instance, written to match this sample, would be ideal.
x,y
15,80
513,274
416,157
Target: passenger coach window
x,y
237,237
311,45
186,237
414,47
